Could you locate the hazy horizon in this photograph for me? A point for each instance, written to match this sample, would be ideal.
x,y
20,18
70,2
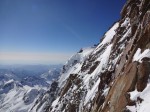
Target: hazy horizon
x,y
33,58
49,31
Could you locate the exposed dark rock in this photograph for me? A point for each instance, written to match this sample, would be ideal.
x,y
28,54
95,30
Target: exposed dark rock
x,y
139,99
93,67
68,83
129,101
81,50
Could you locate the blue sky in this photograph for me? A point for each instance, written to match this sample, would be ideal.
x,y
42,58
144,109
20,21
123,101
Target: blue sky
x,y
33,30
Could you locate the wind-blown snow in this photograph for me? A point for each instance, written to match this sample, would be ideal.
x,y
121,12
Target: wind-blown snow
x,y
73,65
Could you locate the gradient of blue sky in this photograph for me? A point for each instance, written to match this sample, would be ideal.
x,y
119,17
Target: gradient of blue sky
x,y
53,27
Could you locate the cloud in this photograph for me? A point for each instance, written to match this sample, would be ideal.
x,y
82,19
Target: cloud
x,y
33,58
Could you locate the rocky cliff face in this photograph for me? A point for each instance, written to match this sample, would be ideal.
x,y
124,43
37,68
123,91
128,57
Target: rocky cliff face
x,y
113,76
132,70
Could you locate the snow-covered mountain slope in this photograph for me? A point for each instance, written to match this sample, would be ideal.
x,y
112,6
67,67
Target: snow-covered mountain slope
x,y
80,75
73,65
80,85
15,97
20,93
114,76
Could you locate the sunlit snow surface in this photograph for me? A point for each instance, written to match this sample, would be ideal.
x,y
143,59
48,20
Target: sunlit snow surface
x,y
145,105
140,55
19,93
13,100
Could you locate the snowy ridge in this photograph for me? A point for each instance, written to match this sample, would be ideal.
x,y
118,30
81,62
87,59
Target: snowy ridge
x,y
81,78
107,37
73,65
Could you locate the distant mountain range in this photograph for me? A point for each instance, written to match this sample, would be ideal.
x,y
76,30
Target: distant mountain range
x,y
21,86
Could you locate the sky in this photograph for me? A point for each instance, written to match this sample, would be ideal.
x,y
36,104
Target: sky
x,y
50,31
